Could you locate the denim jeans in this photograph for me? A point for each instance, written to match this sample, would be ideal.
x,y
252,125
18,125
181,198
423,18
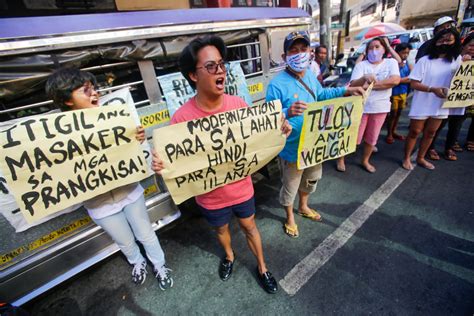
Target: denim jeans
x,y
131,222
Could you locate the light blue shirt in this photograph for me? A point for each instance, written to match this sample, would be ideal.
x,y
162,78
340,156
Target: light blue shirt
x,y
288,89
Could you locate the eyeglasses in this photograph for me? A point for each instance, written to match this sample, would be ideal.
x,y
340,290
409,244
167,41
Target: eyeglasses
x,y
212,67
87,89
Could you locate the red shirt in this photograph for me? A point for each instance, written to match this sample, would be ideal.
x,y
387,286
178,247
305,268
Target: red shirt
x,y
229,194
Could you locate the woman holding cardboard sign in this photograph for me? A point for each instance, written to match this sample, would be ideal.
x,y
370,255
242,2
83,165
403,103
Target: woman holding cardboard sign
x,y
385,74
121,212
430,79
202,63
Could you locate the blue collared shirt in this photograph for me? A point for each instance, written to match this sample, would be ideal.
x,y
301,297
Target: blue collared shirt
x,y
288,89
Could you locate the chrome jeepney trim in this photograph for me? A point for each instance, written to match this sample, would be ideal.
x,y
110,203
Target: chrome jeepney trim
x,y
29,45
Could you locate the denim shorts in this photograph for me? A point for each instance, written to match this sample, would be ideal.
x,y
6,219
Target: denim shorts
x,y
222,216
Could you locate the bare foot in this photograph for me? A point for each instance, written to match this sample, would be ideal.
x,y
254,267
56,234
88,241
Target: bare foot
x,y
425,164
341,165
367,166
407,164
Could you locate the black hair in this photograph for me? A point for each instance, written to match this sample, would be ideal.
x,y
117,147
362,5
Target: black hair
x,y
64,81
188,58
382,41
467,39
455,50
403,46
320,46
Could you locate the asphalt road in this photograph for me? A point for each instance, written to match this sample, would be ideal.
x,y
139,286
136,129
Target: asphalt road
x,y
412,255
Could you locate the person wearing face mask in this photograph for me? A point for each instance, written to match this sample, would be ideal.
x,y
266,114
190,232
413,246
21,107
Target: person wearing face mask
x,y
454,121
385,74
295,87
441,24
430,80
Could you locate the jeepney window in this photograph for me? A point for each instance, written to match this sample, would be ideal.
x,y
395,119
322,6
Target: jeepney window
x,y
424,36
249,55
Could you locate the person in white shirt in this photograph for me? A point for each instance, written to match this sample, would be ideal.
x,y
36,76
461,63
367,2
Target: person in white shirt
x,y
121,212
430,81
385,75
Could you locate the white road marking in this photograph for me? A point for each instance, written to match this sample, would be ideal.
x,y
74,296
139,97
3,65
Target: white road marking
x,y
306,268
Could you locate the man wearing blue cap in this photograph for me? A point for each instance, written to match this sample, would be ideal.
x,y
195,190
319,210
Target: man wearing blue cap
x,y
296,87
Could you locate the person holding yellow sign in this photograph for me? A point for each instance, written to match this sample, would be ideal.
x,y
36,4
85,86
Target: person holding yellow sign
x,y
202,64
295,87
385,74
121,212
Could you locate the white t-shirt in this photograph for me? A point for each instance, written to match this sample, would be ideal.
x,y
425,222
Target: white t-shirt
x,y
434,73
314,67
378,100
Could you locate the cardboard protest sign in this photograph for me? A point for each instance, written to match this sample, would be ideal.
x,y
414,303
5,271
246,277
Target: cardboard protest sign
x,y
177,90
124,97
461,89
53,161
8,206
204,154
329,130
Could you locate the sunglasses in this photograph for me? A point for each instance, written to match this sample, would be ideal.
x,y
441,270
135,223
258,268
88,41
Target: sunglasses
x,y
212,67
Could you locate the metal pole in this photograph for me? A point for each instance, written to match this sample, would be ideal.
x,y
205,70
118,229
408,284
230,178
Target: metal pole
x,y
325,25
382,15
342,34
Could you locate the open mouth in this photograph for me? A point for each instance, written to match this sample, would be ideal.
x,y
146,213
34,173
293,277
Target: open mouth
x,y
95,102
220,83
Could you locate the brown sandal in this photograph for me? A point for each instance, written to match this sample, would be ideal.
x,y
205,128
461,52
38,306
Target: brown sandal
x,y
450,155
457,148
470,146
433,155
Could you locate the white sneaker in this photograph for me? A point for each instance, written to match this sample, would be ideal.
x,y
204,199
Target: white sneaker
x,y
139,272
163,275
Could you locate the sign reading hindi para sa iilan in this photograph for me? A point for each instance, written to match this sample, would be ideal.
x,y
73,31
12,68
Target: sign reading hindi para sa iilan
x,y
329,130
461,89
204,154
53,161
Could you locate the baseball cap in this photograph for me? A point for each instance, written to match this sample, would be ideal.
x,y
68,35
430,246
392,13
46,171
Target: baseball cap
x,y
292,37
442,20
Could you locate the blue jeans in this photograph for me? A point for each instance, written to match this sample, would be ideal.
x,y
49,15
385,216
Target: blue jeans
x,y
131,222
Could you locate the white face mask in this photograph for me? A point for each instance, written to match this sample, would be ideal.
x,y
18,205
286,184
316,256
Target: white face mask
x,y
298,62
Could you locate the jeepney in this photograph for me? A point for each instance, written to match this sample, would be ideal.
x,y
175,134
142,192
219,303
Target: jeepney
x,y
127,49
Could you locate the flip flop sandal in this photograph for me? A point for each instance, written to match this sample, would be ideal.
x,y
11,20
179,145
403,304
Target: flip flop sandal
x,y
457,148
390,140
312,215
291,231
470,146
450,155
433,155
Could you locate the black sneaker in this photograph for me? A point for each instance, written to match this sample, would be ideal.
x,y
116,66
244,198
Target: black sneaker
x,y
163,275
139,272
268,282
225,269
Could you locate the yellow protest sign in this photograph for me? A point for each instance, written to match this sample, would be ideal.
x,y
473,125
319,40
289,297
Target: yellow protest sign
x,y
204,154
461,89
329,130
53,161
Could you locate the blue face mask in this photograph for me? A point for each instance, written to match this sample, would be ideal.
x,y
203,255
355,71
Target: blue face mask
x,y
375,55
298,62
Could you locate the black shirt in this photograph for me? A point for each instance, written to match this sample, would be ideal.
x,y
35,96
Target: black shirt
x,y
423,50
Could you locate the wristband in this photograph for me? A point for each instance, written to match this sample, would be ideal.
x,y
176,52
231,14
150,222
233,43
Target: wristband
x,y
429,89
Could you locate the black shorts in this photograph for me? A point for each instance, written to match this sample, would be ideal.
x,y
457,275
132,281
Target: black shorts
x,y
222,216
